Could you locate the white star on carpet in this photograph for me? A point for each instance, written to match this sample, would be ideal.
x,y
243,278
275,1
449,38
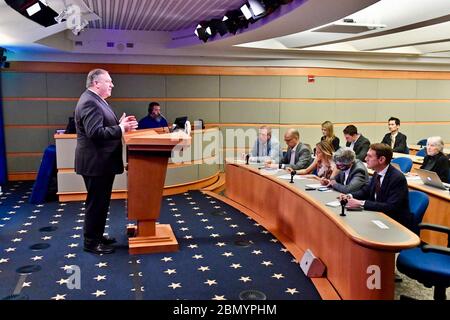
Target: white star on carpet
x,y
240,233
233,226
73,245
59,297
220,244
16,240
62,281
256,252
192,246
26,284
203,269
267,263
245,279
184,229
175,285
204,220
99,293
3,260
22,231
46,237
99,277
66,267
278,276
284,250
214,235
236,265
209,227
54,222
70,255
216,297
35,258
166,259
187,237
170,271
291,291
197,256
10,249
273,240
75,236
210,282
227,254
102,264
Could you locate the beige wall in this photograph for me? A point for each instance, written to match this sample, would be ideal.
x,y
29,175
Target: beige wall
x,y
37,103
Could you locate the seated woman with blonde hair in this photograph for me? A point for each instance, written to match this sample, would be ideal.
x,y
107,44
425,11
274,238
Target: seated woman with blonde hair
x,y
328,135
323,163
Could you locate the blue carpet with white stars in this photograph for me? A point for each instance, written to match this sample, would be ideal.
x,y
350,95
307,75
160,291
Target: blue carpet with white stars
x,y
209,265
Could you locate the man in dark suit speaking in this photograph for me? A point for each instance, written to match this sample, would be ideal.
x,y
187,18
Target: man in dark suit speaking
x,y
387,192
98,155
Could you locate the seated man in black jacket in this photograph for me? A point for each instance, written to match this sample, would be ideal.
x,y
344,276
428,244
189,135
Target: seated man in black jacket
x,y
436,160
394,138
387,191
353,173
356,141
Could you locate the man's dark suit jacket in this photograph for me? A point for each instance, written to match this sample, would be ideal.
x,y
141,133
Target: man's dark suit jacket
x,y
361,147
393,199
357,178
302,157
400,144
99,143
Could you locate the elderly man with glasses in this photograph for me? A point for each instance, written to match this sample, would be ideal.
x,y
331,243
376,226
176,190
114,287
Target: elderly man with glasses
x,y
353,173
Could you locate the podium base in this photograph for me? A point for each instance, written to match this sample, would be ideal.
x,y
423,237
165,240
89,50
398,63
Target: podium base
x,y
163,241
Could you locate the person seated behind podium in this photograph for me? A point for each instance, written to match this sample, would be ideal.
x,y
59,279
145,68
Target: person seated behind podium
x,y
394,138
356,141
387,191
154,119
266,147
328,135
298,155
352,175
323,163
436,160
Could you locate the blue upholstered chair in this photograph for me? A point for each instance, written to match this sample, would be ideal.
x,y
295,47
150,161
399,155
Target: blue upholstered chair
x,y
422,142
428,264
404,163
421,152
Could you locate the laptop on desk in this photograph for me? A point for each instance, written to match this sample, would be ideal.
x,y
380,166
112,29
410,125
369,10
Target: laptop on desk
x,y
431,178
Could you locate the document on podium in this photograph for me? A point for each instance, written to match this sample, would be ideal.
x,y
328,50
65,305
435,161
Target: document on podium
x,y
334,204
314,186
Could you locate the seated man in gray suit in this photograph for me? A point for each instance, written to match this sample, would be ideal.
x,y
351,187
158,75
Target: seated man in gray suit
x,y
353,173
298,155
266,147
356,141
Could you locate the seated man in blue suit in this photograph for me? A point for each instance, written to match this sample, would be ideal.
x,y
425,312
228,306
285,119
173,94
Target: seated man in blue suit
x,y
353,173
298,155
154,119
387,191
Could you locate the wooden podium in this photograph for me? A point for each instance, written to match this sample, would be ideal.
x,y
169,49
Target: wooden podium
x,y
148,153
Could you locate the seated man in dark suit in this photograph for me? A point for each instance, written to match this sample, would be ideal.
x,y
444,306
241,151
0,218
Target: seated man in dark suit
x,y
298,155
356,141
394,138
387,191
353,173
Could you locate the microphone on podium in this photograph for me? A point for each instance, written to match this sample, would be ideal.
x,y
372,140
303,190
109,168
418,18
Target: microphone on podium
x,y
293,173
247,156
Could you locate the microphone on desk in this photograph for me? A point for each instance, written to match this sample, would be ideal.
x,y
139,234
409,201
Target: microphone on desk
x,y
293,173
343,204
247,156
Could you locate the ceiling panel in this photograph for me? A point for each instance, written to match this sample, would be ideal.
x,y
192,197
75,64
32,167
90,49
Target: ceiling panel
x,y
157,15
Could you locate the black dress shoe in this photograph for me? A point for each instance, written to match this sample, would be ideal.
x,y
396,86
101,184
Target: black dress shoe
x,y
98,248
108,240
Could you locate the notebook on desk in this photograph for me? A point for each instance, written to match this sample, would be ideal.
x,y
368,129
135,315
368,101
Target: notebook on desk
x,y
431,178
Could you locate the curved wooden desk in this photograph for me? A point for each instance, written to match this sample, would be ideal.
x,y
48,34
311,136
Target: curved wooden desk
x,y
351,247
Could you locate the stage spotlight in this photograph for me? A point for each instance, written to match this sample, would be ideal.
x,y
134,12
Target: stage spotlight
x,y
219,26
38,11
203,31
